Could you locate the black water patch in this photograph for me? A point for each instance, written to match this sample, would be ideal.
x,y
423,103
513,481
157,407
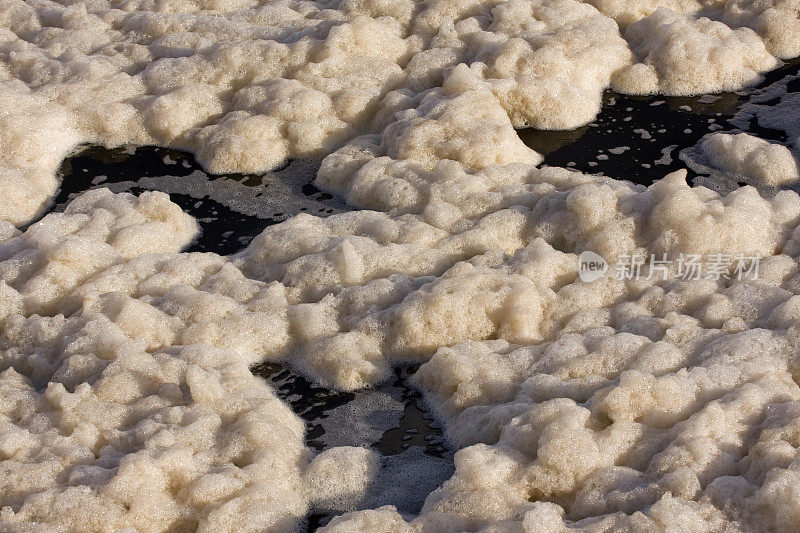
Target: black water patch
x,y
416,458
417,427
216,221
313,403
224,229
308,401
638,138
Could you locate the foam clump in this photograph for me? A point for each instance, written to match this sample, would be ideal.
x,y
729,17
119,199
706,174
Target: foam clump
x,y
774,20
246,86
111,417
620,404
744,156
681,55
558,390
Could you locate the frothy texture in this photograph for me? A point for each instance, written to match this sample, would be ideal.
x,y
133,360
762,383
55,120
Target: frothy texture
x,y
126,398
747,157
245,86
113,417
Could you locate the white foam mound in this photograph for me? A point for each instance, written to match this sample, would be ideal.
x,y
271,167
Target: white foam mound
x,y
126,399
681,55
246,85
109,420
745,157
127,389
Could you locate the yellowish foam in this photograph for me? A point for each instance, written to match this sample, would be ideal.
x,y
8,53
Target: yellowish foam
x,y
126,399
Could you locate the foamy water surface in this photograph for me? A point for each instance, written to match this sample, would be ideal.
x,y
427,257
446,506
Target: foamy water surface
x,y
360,306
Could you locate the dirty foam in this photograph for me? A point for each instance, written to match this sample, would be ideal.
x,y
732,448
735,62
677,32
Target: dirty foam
x,y
126,397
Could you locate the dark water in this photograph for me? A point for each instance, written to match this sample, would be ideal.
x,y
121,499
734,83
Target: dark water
x,y
225,228
312,403
654,130
634,138
391,419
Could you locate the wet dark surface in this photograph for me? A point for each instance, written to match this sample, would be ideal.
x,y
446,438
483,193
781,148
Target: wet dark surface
x,y
417,426
100,167
638,138
399,432
225,229
307,400
312,403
